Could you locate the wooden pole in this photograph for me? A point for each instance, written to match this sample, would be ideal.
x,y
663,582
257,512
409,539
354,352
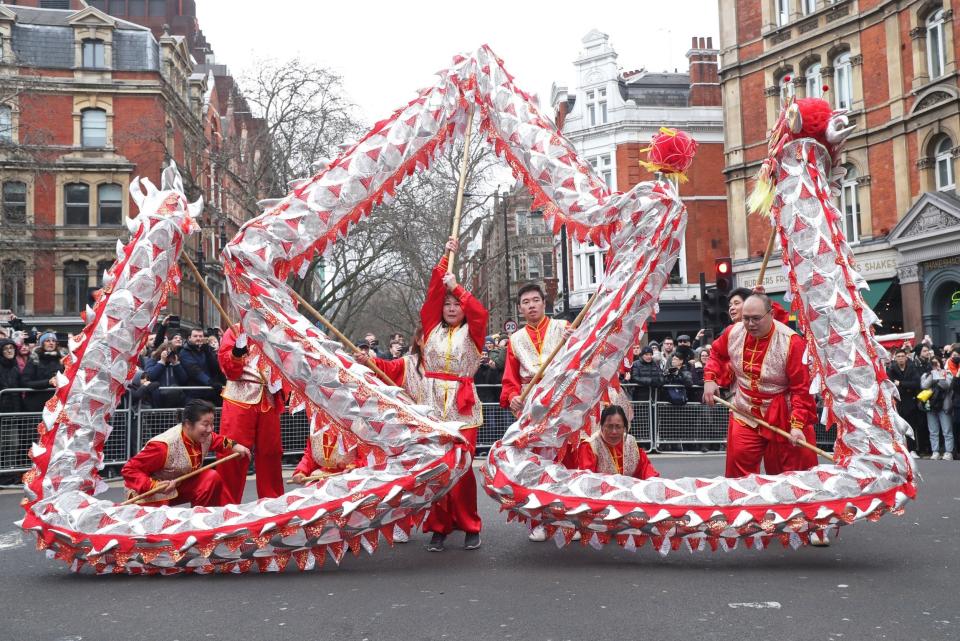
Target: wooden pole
x,y
179,479
576,323
203,283
759,421
340,337
766,259
322,475
461,185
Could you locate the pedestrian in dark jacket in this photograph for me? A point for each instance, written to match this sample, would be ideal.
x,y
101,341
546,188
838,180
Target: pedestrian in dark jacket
x,y
165,371
41,372
906,376
9,377
646,375
489,374
202,367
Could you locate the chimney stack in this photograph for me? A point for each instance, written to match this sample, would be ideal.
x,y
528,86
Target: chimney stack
x,y
704,73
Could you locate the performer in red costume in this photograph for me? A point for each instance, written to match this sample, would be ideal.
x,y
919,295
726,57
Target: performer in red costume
x,y
772,383
251,416
528,348
178,451
330,451
454,325
612,451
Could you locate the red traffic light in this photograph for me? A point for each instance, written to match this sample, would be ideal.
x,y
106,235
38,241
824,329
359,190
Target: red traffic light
x,y
723,273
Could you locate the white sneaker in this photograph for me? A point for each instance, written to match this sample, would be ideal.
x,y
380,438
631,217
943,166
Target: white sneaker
x,y
948,456
399,536
538,535
819,539
935,456
576,536
914,455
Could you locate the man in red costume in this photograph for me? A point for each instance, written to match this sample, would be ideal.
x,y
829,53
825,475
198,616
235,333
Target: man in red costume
x,y
178,451
772,383
529,348
251,416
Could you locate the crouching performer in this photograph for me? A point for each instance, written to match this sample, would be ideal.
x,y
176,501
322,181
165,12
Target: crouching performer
x,y
178,451
330,451
612,451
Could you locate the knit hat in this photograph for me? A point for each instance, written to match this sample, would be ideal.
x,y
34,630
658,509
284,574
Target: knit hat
x,y
46,336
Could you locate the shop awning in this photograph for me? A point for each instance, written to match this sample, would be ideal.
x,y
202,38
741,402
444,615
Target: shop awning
x,y
872,296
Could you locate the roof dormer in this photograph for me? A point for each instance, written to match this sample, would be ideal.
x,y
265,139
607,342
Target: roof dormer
x,y
93,39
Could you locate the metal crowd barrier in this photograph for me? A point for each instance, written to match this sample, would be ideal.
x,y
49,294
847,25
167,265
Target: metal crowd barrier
x,y
656,424
19,429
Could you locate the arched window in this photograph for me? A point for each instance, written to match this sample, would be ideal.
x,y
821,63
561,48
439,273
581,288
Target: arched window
x,y
76,204
814,81
93,128
13,286
6,124
936,51
850,205
14,202
74,286
109,205
943,164
93,54
785,85
843,81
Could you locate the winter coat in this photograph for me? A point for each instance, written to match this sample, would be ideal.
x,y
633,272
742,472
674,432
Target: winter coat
x,y
942,379
201,365
909,387
160,375
9,379
37,374
645,376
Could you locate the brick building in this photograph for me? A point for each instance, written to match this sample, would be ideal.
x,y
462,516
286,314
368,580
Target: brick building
x,y
894,65
517,247
609,117
89,101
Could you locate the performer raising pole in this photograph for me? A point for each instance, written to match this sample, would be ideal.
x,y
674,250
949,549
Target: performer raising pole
x,y
454,325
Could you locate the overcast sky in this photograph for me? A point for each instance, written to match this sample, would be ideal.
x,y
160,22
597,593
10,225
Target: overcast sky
x,y
385,51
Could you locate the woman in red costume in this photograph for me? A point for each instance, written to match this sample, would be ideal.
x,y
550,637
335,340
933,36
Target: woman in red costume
x,y
612,451
454,325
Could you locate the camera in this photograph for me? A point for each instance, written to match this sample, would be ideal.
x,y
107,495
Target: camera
x,y
173,322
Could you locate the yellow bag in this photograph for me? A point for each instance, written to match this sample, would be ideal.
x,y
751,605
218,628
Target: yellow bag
x,y
925,395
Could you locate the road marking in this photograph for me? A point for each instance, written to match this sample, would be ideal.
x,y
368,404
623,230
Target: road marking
x,y
757,605
10,540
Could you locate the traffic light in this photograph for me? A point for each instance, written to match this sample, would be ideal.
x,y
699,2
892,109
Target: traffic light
x,y
723,275
714,309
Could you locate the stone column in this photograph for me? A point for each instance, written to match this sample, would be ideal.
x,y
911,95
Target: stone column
x,y
911,296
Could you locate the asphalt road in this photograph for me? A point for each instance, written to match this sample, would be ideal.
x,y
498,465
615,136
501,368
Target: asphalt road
x,y
896,579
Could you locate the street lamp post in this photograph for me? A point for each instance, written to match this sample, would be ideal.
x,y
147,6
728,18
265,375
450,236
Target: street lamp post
x,y
203,275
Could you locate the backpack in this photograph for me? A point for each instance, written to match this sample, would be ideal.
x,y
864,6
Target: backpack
x,y
676,395
933,402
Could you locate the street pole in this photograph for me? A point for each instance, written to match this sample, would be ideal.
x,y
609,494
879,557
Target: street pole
x,y
566,275
201,271
506,253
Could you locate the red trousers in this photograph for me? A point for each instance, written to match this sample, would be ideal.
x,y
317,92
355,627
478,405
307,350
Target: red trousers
x,y
457,510
746,447
203,490
259,431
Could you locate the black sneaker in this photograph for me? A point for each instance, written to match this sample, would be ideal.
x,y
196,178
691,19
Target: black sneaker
x,y
436,543
471,541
